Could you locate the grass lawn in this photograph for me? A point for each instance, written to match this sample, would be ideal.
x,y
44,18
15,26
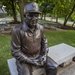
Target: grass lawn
x,y
4,54
57,37
54,37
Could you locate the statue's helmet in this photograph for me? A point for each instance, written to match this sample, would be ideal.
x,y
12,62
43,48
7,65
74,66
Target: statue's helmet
x,y
31,7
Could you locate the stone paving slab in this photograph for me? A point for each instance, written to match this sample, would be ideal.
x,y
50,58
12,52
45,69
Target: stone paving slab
x,y
61,53
67,70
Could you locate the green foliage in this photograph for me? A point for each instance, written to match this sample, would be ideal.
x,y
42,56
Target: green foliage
x,y
46,7
73,16
63,7
8,5
51,7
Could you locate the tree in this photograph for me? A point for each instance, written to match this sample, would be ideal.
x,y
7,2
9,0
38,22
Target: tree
x,y
13,4
64,8
69,14
46,7
21,8
10,8
73,18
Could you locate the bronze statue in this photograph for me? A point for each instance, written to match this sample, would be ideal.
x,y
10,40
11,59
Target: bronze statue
x,y
29,44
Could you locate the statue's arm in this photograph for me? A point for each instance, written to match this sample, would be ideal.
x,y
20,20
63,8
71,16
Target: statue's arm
x,y
16,47
44,46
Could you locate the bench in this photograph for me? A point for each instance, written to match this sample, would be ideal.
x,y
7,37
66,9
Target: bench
x,y
12,66
61,53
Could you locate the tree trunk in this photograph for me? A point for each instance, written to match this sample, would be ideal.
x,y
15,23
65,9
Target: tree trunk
x,y
25,1
44,16
56,19
67,17
21,7
41,16
73,24
65,21
14,11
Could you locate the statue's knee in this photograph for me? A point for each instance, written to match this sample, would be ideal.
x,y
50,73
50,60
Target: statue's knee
x,y
51,69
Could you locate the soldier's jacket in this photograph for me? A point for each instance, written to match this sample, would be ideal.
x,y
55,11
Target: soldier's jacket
x,y
26,43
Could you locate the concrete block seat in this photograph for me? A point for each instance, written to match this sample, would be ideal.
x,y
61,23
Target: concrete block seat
x,y
61,53
13,68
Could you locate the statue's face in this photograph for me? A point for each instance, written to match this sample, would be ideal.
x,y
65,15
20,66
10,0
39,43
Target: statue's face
x,y
31,19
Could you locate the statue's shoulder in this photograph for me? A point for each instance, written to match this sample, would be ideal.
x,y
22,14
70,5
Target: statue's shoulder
x,y
20,28
17,29
40,27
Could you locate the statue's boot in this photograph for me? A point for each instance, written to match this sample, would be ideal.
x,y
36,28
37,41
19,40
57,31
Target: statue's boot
x,y
51,72
51,67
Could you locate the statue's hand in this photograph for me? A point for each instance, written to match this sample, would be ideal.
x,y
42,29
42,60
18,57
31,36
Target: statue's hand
x,y
36,63
28,60
33,62
42,59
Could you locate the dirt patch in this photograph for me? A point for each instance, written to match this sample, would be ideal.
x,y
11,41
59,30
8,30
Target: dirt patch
x,y
14,22
68,28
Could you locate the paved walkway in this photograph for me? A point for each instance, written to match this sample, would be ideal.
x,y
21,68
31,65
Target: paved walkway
x,y
68,70
60,21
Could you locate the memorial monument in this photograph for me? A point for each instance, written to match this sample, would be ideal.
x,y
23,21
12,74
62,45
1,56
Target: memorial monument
x,y
29,44
3,13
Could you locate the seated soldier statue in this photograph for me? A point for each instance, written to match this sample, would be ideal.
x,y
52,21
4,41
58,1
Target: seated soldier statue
x,y
29,44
